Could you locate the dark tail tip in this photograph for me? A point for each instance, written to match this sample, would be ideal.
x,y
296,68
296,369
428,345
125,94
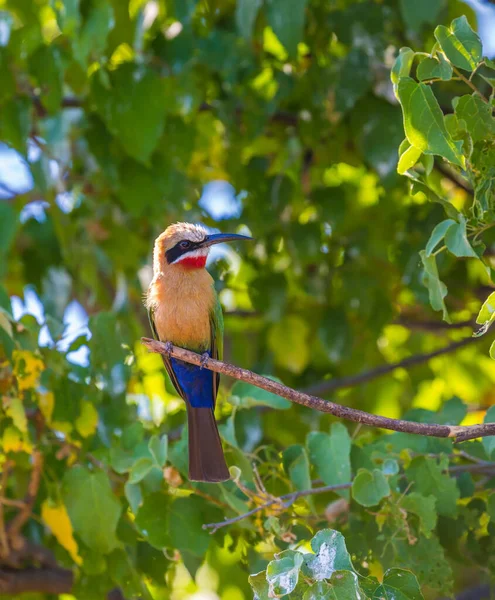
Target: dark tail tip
x,y
206,459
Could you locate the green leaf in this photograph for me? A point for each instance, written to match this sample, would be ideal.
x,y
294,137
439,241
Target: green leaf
x,y
330,555
288,339
246,395
487,311
490,505
402,66
260,585
296,465
152,519
46,66
370,487
390,467
287,18
457,242
492,350
354,80
489,441
159,449
477,115
397,584
93,509
105,344
431,480
419,13
424,122
424,508
331,455
133,495
68,17
418,186
408,159
437,290
427,559
93,35
245,16
434,68
133,108
344,585
186,526
15,122
8,227
437,235
460,43
140,469
282,573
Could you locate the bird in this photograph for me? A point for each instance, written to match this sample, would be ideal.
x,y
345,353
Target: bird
x,y
184,310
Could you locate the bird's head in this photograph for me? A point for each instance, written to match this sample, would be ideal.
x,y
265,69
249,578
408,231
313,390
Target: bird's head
x,y
186,245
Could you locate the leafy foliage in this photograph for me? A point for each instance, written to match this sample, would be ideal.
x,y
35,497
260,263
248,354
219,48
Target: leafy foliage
x,y
127,116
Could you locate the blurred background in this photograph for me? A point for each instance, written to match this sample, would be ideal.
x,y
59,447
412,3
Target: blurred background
x,y
275,119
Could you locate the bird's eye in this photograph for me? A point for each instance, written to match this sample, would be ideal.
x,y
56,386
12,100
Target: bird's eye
x,y
185,244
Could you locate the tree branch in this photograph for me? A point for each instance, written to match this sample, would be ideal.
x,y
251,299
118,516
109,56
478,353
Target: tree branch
x,y
454,177
283,501
23,515
460,433
45,581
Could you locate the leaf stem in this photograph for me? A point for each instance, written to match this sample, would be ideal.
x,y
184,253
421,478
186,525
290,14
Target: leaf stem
x,y
470,84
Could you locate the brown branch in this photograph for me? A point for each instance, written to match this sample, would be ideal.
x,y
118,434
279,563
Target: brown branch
x,y
284,501
460,433
454,177
3,533
23,515
332,385
45,581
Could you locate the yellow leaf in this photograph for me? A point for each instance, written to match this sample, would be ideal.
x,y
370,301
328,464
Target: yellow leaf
x,y
15,410
87,421
46,402
5,321
14,441
56,518
27,368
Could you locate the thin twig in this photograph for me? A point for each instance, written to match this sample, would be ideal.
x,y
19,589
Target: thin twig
x,y
332,385
286,500
23,515
454,177
470,84
459,432
3,533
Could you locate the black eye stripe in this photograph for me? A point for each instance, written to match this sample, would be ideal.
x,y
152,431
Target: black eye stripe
x,y
174,253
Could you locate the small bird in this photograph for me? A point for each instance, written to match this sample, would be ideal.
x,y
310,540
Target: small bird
x,y
184,310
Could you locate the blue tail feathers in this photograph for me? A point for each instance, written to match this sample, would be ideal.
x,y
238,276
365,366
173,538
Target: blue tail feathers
x,y
196,383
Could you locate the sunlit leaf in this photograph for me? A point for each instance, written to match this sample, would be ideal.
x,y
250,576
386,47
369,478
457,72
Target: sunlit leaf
x,y
55,517
282,573
460,43
424,123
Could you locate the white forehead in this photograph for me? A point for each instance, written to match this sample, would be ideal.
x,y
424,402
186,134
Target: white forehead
x,y
193,233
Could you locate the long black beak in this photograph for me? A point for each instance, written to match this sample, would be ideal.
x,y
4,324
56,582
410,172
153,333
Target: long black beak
x,y
219,238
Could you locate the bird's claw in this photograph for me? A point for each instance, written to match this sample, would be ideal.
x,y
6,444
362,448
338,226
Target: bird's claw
x,y
168,348
205,357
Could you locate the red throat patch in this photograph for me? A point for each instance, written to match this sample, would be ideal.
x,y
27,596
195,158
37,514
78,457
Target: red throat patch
x,y
193,262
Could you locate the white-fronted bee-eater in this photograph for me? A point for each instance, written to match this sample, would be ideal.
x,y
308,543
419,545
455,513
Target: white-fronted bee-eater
x,y
184,309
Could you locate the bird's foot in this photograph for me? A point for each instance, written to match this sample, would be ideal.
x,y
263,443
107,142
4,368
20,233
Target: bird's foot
x,y
205,357
168,348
